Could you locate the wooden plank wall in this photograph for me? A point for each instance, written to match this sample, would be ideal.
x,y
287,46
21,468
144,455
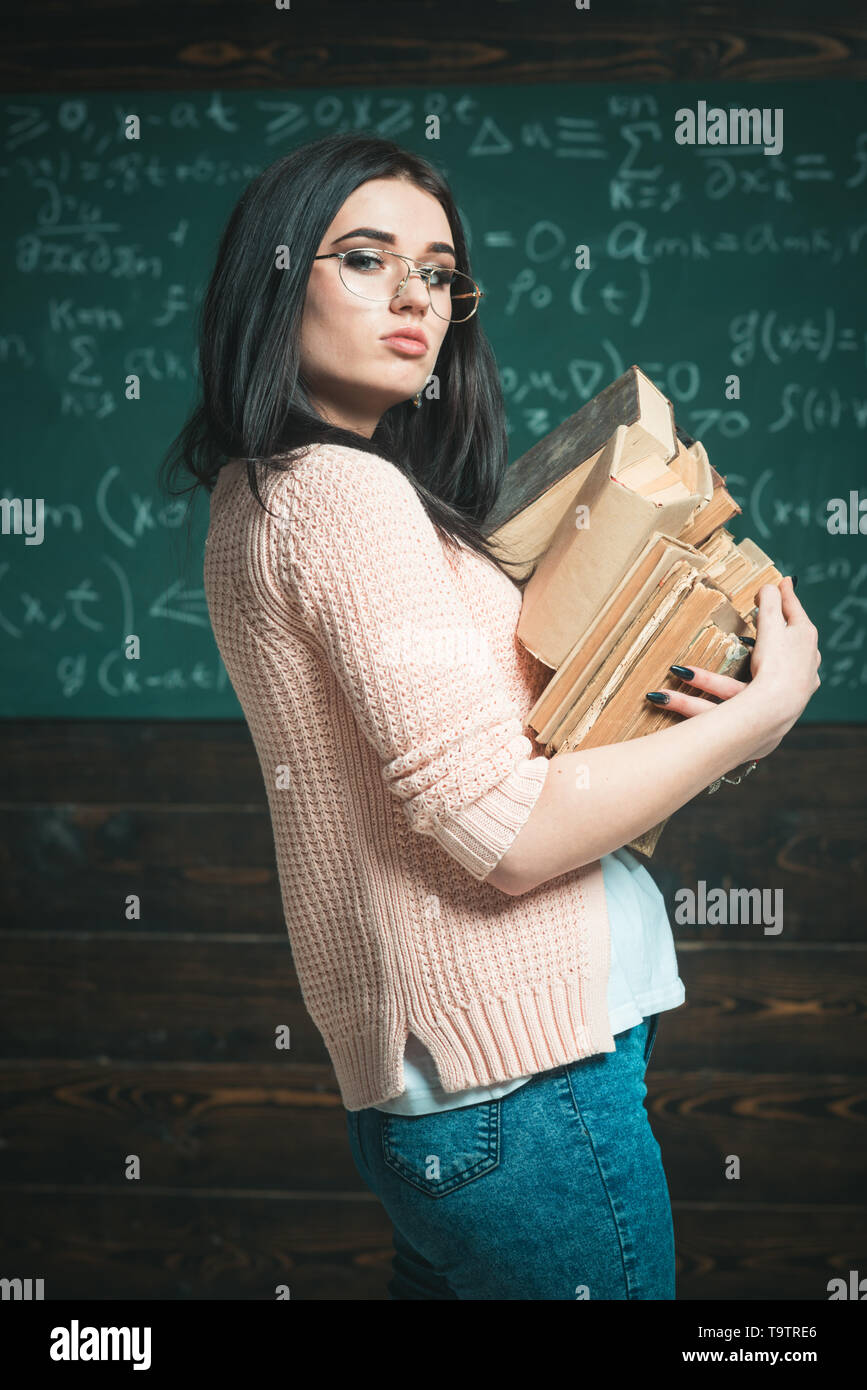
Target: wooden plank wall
x,y
155,1037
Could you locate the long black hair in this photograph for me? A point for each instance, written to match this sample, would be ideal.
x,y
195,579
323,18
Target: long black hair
x,y
254,404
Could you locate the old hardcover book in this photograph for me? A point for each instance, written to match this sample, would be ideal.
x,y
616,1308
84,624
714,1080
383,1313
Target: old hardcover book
x,y
651,566
615,526
539,486
685,615
625,498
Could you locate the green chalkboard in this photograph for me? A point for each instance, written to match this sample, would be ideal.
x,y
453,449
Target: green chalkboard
x,y
704,261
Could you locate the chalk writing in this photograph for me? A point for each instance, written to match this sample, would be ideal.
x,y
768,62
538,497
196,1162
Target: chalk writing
x,y
700,262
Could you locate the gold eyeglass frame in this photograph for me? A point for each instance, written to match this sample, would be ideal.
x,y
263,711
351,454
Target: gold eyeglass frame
x,y
413,268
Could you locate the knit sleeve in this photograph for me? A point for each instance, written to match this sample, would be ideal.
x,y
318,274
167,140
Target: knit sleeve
x,y
359,556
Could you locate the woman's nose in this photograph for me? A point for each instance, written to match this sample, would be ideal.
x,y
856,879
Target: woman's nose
x,y
414,290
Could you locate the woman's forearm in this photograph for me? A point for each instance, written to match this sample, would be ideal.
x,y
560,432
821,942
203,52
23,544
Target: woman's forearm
x,y
596,800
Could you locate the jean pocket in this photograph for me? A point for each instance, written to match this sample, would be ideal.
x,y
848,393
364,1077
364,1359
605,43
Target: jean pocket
x,y
443,1151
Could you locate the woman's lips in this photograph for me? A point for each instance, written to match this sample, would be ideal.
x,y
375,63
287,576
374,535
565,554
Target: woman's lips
x,y
411,346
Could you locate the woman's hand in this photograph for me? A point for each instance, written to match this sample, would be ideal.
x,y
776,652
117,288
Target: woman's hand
x,y
783,664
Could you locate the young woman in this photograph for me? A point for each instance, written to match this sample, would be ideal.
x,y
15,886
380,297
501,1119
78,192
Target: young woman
x,y
485,963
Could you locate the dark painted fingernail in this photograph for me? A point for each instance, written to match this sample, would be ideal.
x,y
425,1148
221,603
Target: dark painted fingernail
x,y
682,671
748,641
659,697
794,581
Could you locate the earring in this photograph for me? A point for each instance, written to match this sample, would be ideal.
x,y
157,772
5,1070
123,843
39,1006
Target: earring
x,y
416,400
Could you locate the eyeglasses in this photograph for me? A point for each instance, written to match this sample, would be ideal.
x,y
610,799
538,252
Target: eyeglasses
x,y
380,275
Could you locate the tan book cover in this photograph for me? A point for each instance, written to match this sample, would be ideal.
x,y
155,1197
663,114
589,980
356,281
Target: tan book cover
x,y
715,513
718,651
626,714
598,538
677,593
739,568
539,486
632,397
657,557
641,663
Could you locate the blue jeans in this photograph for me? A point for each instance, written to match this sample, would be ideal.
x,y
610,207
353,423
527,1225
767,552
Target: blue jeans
x,y
555,1191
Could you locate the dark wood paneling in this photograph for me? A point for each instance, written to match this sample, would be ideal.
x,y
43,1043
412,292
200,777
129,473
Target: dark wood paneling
x,y
157,1037
171,999
195,868
178,813
136,762
338,42
760,1252
142,1243
771,1007
235,1245
768,1008
264,1127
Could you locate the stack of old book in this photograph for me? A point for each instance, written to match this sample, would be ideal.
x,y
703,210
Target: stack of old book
x,y
615,526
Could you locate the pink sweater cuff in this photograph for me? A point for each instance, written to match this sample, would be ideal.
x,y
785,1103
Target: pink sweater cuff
x,y
480,834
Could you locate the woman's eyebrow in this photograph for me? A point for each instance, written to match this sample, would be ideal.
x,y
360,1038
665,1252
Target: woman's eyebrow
x,y
390,239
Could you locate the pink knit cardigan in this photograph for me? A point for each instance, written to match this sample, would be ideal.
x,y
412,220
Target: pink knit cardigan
x,y
386,692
